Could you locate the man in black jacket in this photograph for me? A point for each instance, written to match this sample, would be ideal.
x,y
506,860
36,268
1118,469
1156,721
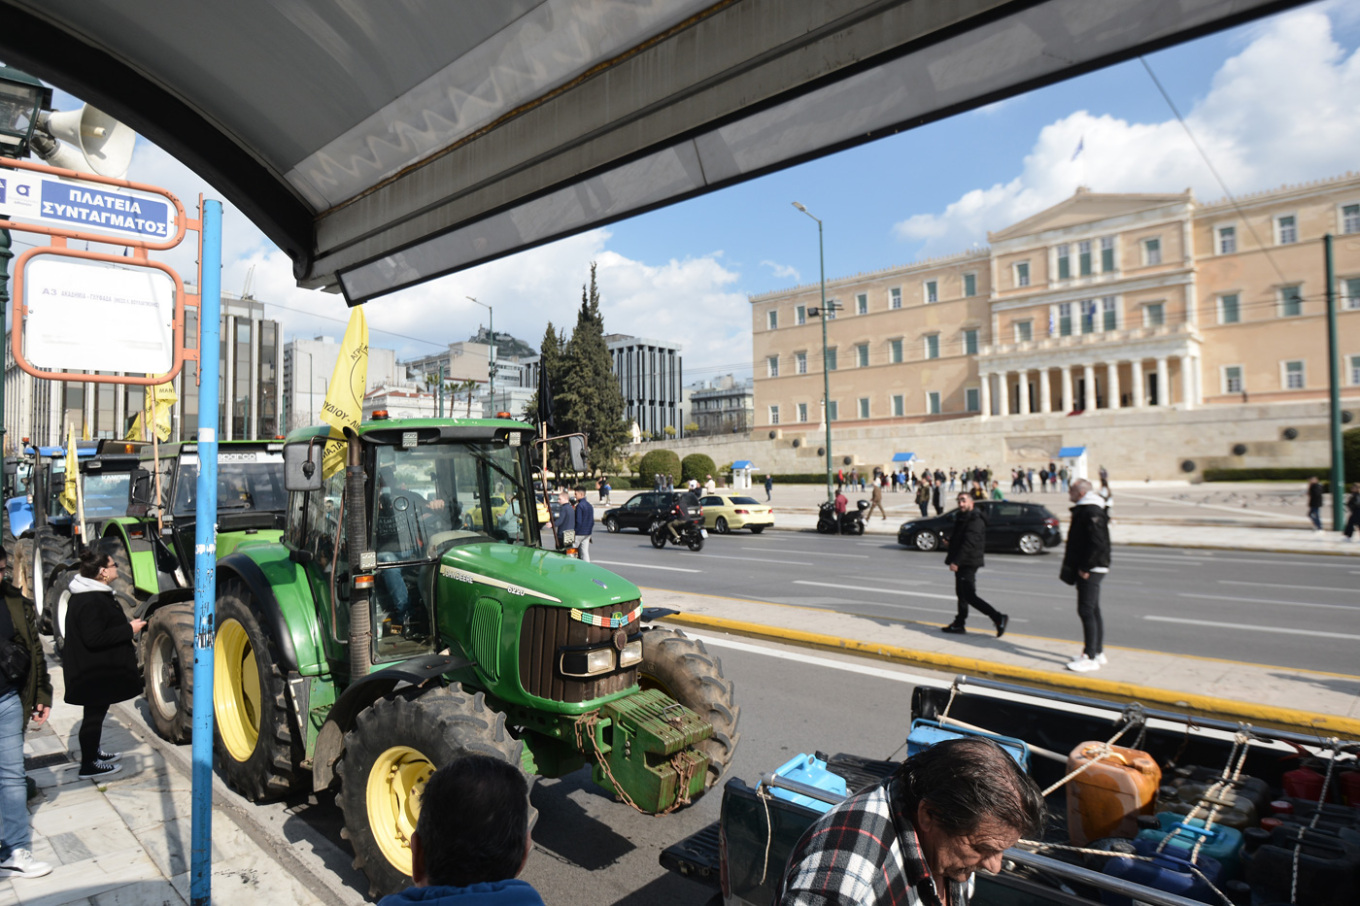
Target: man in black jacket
x,y
1085,564
966,543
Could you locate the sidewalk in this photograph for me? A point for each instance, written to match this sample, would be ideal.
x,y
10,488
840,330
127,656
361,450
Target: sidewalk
x,y
1256,693
126,840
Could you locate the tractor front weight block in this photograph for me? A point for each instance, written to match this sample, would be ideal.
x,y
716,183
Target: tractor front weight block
x,y
650,758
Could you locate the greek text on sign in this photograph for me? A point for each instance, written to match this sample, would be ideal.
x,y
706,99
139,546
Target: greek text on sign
x,y
77,205
98,317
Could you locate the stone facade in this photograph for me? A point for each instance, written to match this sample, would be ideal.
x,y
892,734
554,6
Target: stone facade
x,y
1131,306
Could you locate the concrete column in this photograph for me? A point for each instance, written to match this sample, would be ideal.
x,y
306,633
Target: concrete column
x,y
985,395
1045,391
1163,382
1187,383
1067,388
1023,392
1089,373
1136,380
1112,386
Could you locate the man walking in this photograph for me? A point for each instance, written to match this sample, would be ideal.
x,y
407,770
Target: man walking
x,y
769,486
876,502
1315,503
1353,506
923,496
1085,565
585,524
966,544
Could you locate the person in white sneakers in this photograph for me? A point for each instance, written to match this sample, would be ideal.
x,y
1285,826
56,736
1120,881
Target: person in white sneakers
x,y
1085,564
27,694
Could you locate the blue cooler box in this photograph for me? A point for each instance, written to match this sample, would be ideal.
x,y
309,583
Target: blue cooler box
x,y
926,733
812,771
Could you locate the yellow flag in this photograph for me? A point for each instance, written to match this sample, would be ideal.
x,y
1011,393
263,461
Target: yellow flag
x,y
85,432
163,399
344,405
68,491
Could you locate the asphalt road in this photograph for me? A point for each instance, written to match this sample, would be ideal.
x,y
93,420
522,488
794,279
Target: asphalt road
x,y
591,850
1274,609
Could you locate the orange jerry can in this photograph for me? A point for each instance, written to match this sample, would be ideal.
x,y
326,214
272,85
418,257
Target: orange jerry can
x,y
1106,799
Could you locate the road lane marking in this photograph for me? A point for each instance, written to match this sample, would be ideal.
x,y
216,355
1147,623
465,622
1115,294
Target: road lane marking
x,y
1248,628
1349,591
673,569
1161,558
881,591
1186,594
756,560
775,550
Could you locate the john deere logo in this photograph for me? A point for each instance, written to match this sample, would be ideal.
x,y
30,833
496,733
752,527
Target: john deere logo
x,y
618,617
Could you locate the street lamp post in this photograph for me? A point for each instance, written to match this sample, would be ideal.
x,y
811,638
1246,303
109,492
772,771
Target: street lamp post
x,y
491,350
311,419
826,370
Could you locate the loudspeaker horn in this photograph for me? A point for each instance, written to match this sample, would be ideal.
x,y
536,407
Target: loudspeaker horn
x,y
104,142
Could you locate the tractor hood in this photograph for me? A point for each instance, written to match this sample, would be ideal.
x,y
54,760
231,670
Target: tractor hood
x,y
547,576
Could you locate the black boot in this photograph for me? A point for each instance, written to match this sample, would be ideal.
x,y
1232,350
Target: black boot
x,y
954,628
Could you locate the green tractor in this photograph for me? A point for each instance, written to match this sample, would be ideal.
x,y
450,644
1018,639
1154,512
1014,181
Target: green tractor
x,y
409,617
153,545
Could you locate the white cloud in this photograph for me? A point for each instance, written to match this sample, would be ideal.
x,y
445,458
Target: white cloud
x,y
1277,112
782,271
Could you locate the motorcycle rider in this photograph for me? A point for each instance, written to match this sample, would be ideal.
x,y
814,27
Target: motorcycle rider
x,y
679,514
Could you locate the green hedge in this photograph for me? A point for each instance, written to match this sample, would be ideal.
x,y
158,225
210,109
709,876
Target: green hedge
x,y
1279,474
660,462
697,466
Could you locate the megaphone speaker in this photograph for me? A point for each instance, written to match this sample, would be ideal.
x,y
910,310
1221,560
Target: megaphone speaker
x,y
105,142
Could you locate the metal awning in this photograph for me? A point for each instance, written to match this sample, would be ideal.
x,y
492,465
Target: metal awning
x,y
904,457
383,144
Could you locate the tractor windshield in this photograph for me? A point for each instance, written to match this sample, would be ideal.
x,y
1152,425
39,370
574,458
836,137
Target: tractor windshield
x,y
106,494
430,497
245,481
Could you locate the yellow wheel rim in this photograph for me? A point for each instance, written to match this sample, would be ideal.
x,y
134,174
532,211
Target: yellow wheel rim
x,y
393,798
236,690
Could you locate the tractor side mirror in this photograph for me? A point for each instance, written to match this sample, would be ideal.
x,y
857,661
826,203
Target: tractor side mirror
x,y
302,467
576,447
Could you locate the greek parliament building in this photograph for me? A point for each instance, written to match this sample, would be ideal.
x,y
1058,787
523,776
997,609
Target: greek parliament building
x,y
249,394
1163,334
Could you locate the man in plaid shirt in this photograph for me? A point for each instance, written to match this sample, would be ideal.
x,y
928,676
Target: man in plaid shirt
x,y
917,837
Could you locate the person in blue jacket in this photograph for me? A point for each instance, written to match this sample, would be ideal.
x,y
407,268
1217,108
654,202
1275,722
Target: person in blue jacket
x,y
585,524
472,838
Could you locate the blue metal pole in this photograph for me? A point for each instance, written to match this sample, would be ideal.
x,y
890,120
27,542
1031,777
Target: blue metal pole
x,y
205,554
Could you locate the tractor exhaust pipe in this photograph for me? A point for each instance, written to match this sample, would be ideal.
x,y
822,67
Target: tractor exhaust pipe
x,y
360,621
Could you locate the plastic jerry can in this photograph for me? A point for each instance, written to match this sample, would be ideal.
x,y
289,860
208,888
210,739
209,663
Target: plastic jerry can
x,y
925,733
1328,867
1234,810
1254,789
1301,811
1220,842
1106,799
811,770
1303,783
1169,871
1348,783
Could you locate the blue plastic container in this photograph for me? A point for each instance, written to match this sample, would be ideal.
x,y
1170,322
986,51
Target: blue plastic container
x,y
1221,843
812,771
926,733
1169,871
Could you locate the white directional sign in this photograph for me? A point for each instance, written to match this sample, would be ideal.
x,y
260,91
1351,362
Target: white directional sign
x,y
79,205
98,317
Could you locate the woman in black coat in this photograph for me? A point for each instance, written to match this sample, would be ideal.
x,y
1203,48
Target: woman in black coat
x,y
100,661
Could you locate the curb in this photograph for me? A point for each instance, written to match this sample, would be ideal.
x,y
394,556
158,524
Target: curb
x,y
1203,705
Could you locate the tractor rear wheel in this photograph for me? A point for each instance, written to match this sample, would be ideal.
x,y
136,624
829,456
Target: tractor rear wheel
x,y
683,668
253,734
50,551
392,749
169,671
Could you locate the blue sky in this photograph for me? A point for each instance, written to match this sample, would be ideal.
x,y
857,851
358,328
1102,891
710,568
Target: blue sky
x,y
1272,102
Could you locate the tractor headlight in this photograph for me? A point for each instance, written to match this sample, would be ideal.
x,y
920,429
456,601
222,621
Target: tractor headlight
x,y
631,654
590,662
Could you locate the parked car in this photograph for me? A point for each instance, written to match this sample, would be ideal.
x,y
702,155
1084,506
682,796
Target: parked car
x,y
1011,525
727,511
641,510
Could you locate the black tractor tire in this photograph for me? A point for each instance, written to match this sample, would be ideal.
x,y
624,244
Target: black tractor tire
x,y
685,670
50,553
169,671
257,747
56,597
123,588
695,541
658,536
404,738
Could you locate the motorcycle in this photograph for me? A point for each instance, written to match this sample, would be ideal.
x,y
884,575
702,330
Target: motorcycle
x,y
848,523
691,534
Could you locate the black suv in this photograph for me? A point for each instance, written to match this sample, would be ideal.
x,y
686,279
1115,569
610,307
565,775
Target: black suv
x,y
642,510
1011,525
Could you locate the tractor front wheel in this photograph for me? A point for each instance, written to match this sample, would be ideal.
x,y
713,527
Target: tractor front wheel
x,y
169,671
393,748
257,747
685,670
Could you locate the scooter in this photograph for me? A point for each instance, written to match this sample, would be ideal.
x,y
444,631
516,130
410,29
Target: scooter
x,y
691,534
848,523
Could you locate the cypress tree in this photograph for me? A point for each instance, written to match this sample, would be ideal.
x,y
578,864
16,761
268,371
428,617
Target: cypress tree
x,y
552,362
590,391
